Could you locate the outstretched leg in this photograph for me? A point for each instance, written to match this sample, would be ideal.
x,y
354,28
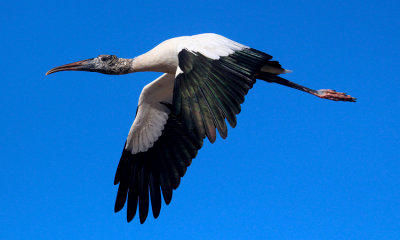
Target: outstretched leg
x,y
322,93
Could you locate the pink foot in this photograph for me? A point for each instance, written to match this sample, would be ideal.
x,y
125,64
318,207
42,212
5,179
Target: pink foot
x,y
335,96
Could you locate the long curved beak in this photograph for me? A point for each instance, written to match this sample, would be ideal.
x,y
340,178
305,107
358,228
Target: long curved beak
x,y
84,65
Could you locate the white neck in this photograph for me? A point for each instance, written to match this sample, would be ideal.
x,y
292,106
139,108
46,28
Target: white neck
x,y
162,58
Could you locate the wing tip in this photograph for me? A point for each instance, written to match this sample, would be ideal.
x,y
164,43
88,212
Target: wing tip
x,y
118,208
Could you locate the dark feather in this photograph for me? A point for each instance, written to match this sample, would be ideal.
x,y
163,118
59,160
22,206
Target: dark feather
x,y
157,171
155,192
121,197
143,194
133,195
166,188
216,87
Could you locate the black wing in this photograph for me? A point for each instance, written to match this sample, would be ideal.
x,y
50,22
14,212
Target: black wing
x,y
161,166
207,91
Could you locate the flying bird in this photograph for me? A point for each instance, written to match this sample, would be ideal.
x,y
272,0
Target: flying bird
x,y
205,80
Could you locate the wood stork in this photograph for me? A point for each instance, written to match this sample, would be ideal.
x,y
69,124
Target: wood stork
x,y
205,79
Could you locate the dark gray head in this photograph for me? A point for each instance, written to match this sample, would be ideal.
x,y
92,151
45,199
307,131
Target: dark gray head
x,y
106,64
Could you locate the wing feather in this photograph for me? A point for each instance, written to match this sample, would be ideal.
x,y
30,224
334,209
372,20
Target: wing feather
x,y
160,167
156,154
215,85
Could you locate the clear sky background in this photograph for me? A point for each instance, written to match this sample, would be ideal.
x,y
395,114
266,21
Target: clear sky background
x,y
295,167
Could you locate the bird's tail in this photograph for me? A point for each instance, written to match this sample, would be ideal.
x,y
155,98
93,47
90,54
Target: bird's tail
x,y
274,67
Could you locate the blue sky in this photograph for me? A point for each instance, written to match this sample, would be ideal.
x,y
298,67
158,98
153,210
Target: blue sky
x,y
295,167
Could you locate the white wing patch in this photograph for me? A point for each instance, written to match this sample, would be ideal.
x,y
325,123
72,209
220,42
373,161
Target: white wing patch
x,y
210,45
151,115
146,128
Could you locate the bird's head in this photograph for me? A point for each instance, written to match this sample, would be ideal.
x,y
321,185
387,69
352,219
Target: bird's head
x,y
106,64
